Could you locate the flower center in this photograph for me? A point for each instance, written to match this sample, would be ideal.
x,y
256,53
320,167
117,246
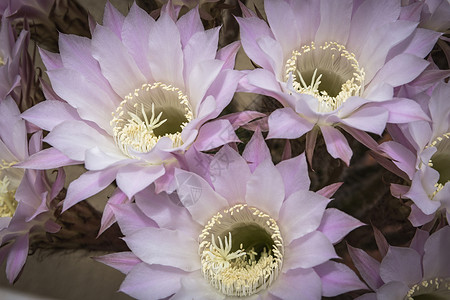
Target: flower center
x,y
328,72
2,62
433,289
441,158
149,113
241,251
8,204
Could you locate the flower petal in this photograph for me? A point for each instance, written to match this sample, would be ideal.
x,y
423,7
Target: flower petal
x,y
336,143
300,282
295,174
286,123
194,286
301,214
152,282
336,224
265,189
122,261
338,279
229,174
134,178
368,267
401,264
436,260
198,197
88,184
256,150
173,249
308,251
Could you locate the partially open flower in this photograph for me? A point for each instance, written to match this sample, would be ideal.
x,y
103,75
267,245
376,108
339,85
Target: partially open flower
x,y
256,232
137,95
334,64
422,150
421,271
26,207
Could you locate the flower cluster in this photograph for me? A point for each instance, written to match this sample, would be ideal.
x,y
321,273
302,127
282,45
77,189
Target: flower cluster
x,y
208,203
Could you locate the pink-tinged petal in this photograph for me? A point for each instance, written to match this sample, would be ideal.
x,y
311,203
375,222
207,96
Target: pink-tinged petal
x,y
88,184
440,107
246,12
392,291
113,19
421,44
419,240
286,123
242,118
336,224
329,190
404,111
301,214
263,82
108,218
17,257
117,65
200,78
152,282
15,137
228,54
167,211
368,267
229,174
436,260
90,101
198,162
47,159
169,65
202,46
419,194
51,60
374,53
361,136
215,134
265,189
76,54
130,218
279,13
272,49
368,16
256,150
294,172
134,178
402,157
338,279
303,283
188,25
337,144
371,119
58,184
122,261
50,113
381,241
198,197
73,138
401,264
400,70
308,251
173,249
96,159
252,29
135,36
335,19
195,286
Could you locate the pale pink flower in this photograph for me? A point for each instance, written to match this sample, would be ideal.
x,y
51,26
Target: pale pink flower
x,y
136,95
334,64
256,232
